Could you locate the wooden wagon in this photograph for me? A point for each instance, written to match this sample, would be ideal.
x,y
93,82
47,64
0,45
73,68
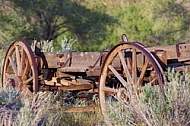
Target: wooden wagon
x,y
91,72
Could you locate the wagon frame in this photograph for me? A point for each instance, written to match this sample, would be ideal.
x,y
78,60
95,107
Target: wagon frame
x,y
106,73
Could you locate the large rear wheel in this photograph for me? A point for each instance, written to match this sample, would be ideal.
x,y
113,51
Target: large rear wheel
x,y
137,67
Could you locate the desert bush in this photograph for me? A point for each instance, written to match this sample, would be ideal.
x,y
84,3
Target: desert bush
x,y
10,104
1,60
66,44
148,109
43,109
38,110
47,46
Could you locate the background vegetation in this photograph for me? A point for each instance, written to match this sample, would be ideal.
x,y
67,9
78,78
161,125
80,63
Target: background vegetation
x,y
96,24
146,109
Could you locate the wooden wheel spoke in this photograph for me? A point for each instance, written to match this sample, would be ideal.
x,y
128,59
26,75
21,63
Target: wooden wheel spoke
x,y
134,65
27,91
8,79
129,63
28,80
7,75
108,89
140,79
117,93
13,65
152,81
26,69
128,58
126,69
18,60
117,75
22,60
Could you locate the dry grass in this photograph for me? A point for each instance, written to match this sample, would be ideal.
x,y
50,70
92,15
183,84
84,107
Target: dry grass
x,y
44,109
142,110
148,109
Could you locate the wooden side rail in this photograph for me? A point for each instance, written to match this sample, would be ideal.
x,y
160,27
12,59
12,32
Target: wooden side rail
x,y
83,61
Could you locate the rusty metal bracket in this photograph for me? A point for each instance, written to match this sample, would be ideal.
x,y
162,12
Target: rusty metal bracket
x,y
60,55
97,61
177,50
61,64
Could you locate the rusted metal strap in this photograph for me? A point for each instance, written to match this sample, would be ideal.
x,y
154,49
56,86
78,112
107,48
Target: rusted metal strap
x,y
177,50
70,58
101,53
37,45
63,64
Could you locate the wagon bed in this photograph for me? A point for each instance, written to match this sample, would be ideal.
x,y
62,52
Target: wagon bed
x,y
106,73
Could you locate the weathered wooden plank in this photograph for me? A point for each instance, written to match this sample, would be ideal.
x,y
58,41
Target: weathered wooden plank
x,y
86,59
184,50
62,74
83,61
171,51
76,87
94,72
54,60
74,69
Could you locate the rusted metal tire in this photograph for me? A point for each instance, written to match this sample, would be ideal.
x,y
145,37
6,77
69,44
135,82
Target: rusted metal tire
x,y
134,69
19,68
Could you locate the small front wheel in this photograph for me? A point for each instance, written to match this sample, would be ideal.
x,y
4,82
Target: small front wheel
x,y
19,68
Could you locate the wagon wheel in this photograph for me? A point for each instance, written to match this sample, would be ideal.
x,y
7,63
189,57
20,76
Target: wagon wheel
x,y
138,66
19,68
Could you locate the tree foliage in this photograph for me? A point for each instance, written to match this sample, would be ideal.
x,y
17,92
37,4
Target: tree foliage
x,y
96,25
170,19
12,24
